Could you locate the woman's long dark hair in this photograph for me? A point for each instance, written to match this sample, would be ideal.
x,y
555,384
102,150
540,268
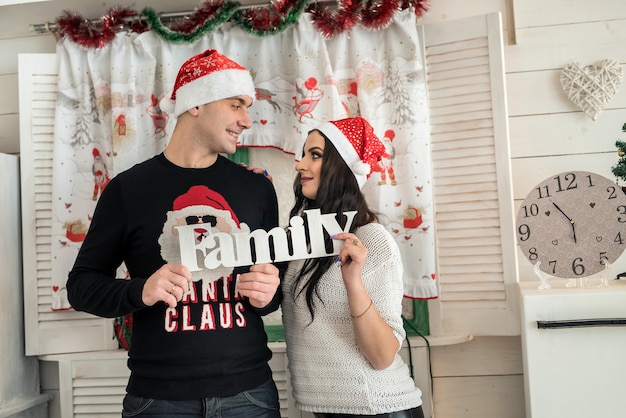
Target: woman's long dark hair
x,y
338,193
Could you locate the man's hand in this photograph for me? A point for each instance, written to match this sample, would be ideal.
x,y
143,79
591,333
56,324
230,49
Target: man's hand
x,y
167,284
259,284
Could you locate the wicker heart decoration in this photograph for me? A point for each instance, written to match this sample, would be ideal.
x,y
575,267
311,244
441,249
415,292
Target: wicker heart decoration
x,y
591,87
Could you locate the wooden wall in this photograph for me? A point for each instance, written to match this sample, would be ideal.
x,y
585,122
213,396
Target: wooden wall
x,y
548,134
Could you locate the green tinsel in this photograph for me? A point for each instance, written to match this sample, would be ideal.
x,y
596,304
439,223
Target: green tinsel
x,y
223,14
240,18
259,21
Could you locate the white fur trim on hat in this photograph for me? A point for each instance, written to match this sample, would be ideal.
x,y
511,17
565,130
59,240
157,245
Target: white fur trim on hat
x,y
209,88
361,168
346,150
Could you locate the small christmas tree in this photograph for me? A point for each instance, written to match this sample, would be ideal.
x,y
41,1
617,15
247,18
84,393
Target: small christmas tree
x,y
619,169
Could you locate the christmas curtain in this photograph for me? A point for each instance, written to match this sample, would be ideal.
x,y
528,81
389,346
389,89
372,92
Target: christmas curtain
x,y
108,118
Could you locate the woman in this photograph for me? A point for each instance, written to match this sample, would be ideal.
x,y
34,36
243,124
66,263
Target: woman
x,y
342,314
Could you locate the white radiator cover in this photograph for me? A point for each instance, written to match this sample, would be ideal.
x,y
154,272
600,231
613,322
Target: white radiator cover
x,y
19,375
576,368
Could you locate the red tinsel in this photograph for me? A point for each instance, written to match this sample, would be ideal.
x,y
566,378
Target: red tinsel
x,y
420,6
330,21
371,14
265,18
84,33
191,23
380,14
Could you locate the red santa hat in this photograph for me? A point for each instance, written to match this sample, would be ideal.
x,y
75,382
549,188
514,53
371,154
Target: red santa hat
x,y
198,197
356,142
205,78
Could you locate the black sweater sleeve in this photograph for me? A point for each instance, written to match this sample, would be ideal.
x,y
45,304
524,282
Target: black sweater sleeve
x,y
92,285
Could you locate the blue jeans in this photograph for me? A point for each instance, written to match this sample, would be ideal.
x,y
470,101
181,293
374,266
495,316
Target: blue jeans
x,y
260,402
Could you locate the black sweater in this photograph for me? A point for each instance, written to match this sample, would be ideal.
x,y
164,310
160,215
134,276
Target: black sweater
x,y
213,343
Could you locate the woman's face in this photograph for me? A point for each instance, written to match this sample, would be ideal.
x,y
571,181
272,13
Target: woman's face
x,y
310,166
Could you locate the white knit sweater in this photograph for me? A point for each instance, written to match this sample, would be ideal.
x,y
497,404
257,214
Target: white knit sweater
x,y
328,373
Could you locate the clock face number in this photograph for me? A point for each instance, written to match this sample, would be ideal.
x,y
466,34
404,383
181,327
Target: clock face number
x,y
524,233
621,209
577,266
574,223
564,182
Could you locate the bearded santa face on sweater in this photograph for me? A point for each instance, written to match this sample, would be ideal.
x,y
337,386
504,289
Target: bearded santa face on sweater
x,y
210,212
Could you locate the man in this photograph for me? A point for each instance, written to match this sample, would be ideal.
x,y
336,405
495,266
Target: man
x,y
198,345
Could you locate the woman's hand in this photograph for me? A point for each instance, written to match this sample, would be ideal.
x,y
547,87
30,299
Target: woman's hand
x,y
374,336
257,170
352,257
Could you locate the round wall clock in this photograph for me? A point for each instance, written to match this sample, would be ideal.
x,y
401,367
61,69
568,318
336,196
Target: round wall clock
x,y
573,222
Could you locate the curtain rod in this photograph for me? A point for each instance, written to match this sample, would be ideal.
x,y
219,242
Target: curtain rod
x,y
165,17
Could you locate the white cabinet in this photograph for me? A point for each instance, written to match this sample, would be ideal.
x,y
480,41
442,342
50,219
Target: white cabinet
x,y
92,384
573,342
19,377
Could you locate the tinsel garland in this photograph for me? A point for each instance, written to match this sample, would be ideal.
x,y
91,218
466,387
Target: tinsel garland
x,y
379,17
264,21
329,23
420,6
258,21
123,328
204,20
84,33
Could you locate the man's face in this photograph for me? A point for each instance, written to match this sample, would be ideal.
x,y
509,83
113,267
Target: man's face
x,y
223,121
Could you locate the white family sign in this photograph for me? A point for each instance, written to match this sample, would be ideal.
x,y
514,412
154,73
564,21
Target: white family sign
x,y
233,250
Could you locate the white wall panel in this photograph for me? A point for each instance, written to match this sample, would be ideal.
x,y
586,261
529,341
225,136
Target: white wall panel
x,y
570,133
532,13
540,92
549,47
10,100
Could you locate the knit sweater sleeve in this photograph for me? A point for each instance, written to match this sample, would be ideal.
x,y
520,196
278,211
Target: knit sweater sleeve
x,y
92,284
382,275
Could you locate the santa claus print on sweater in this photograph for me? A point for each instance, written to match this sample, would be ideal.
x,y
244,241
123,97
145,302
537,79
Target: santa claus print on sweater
x,y
210,211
